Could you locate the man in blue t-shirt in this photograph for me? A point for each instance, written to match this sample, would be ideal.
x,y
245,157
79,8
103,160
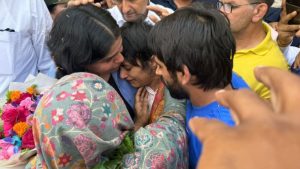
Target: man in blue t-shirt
x,y
194,50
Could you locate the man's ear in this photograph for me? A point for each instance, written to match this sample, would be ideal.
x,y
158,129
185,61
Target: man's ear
x,y
184,76
153,64
259,12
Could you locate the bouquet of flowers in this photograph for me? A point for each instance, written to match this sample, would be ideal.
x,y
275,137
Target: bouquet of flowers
x,y
16,115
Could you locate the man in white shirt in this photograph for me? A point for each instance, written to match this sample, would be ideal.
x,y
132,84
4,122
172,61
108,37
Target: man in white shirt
x,y
130,11
23,29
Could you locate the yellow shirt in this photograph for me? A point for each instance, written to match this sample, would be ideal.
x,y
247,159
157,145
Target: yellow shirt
x,y
267,53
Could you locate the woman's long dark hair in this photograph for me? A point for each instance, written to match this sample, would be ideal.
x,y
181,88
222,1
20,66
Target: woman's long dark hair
x,y
81,36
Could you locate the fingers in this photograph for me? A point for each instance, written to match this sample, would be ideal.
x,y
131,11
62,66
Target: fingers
x,y
159,10
298,32
286,18
203,127
99,4
141,108
141,96
109,3
284,86
155,9
154,19
288,28
297,61
138,94
73,3
283,7
79,2
244,104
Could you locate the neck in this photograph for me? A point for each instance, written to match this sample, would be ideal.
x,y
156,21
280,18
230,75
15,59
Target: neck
x,y
182,3
105,77
199,97
250,37
154,85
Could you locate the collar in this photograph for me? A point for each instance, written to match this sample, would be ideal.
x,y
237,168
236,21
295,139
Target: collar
x,y
117,15
263,47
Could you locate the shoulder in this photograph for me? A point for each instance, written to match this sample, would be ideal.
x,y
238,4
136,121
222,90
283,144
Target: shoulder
x,y
238,82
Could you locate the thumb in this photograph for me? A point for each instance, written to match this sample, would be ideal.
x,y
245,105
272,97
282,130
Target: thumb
x,y
154,19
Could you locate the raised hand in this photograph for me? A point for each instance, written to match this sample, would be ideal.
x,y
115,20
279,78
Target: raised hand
x,y
286,32
72,3
141,108
267,135
160,11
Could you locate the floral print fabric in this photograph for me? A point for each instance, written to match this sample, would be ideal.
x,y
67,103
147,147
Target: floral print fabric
x,y
78,120
81,119
163,143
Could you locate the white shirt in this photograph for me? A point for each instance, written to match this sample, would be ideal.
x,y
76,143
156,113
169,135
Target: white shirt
x,y
290,52
117,15
23,51
151,97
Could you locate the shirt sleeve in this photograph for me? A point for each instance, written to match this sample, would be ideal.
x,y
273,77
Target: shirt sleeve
x,y
290,53
41,26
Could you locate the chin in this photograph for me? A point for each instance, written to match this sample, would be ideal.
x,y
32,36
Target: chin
x,y
136,85
131,18
133,84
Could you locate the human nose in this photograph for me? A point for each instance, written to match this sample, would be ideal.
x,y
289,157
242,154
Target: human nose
x,y
125,6
123,73
119,59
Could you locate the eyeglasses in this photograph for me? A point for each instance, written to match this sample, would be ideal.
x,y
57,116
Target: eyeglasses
x,y
227,7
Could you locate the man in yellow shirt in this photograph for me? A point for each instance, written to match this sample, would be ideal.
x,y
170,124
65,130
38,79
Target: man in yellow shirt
x,y
255,46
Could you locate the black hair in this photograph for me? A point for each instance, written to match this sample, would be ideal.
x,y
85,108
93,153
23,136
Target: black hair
x,y
135,45
199,38
268,2
81,36
51,7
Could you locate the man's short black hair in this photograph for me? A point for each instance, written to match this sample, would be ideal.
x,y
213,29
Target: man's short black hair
x,y
135,45
268,2
199,38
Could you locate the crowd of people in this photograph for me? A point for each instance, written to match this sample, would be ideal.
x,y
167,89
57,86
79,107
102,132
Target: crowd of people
x,y
157,84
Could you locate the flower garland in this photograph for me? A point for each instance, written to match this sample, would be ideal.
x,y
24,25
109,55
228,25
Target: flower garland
x,y
16,114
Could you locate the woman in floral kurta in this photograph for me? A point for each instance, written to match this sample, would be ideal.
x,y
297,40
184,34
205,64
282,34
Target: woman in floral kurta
x,y
82,120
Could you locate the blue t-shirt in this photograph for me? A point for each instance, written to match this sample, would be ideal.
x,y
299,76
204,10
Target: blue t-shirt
x,y
211,111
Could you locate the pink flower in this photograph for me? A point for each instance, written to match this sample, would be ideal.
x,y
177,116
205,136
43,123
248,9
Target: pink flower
x,y
28,104
12,116
85,146
22,97
57,116
62,96
154,133
78,96
77,84
7,129
111,95
6,150
29,119
79,115
156,161
27,140
89,75
8,107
